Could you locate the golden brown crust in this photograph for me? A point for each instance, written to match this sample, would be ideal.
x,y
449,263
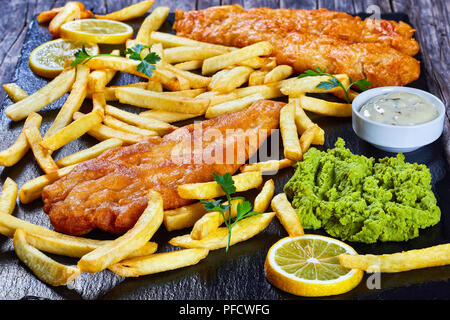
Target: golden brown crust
x,y
110,191
378,50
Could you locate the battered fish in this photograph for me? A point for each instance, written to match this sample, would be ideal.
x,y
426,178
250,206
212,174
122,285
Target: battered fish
x,y
109,192
378,50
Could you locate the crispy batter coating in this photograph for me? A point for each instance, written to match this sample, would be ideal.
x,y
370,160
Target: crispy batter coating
x,y
110,191
379,50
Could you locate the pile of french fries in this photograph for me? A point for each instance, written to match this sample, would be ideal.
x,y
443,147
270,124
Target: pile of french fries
x,y
225,80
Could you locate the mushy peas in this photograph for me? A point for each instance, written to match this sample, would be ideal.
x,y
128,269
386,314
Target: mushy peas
x,y
357,199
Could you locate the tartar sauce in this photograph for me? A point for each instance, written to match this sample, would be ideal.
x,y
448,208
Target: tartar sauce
x,y
399,108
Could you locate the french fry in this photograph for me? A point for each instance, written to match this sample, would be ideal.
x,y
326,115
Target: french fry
x,y
32,189
191,93
303,122
136,237
233,79
189,65
43,157
167,116
160,101
183,217
182,54
287,215
73,131
14,92
158,49
341,94
298,87
152,86
130,66
70,11
257,77
19,148
114,123
77,247
259,62
263,199
89,153
144,123
267,166
209,190
169,40
98,79
269,91
195,81
57,243
232,106
8,197
401,261
131,12
278,73
103,132
216,77
242,230
110,92
45,268
99,103
73,102
11,224
211,221
269,64
52,91
291,143
308,136
151,23
47,16
216,63
158,262
326,108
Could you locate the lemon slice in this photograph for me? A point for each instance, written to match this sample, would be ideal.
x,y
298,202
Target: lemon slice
x,y
48,59
308,265
97,31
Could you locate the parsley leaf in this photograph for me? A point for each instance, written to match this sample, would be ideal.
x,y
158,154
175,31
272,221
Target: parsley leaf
x,y
333,82
82,56
225,182
147,65
243,209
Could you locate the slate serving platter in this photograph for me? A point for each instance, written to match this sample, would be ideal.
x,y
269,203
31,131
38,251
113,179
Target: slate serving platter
x,y
238,274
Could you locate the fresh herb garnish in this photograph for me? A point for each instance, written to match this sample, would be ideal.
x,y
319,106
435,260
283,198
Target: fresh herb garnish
x,y
147,65
82,56
362,84
243,209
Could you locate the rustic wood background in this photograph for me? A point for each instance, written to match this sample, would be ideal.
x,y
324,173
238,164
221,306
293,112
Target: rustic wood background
x,y
429,17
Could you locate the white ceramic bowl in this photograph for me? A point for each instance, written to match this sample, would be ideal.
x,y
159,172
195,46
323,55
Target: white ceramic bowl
x,y
397,138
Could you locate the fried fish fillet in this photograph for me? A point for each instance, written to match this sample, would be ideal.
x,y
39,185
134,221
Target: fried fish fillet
x,y
379,50
109,192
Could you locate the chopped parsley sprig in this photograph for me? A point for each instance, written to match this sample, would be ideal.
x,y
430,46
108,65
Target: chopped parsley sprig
x,y
333,82
147,65
244,208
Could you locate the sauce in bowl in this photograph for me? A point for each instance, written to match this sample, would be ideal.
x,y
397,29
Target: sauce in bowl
x,y
399,109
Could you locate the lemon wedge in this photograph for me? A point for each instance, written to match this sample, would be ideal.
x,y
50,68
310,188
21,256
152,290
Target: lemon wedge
x,y
97,31
308,265
48,59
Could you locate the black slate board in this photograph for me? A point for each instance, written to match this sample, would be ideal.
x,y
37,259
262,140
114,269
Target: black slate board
x,y
238,274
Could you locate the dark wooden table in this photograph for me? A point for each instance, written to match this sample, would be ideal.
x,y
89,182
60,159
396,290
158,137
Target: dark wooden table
x,y
429,17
